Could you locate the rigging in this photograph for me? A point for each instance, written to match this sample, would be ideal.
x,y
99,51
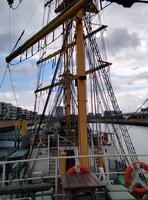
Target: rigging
x,y
10,3
104,86
3,77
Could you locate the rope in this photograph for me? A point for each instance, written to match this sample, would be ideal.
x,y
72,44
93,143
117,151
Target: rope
x,y
97,57
3,78
9,30
12,84
18,40
53,80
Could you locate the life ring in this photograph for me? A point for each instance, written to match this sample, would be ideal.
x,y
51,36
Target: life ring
x,y
133,176
78,169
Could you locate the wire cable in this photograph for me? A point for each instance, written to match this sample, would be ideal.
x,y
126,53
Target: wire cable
x,y
9,30
12,84
3,78
18,40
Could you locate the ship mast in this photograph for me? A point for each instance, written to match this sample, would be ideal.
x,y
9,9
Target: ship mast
x,y
67,92
81,88
74,10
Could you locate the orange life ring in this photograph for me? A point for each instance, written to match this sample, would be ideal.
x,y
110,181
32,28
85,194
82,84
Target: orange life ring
x,y
133,170
82,169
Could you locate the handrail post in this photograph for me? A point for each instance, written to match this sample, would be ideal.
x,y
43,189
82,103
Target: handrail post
x,y
56,178
58,152
107,167
3,176
48,152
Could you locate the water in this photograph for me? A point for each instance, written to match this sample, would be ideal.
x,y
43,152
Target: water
x,y
138,134
139,137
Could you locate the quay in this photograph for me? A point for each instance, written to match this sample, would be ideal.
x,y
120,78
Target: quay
x,y
9,125
133,122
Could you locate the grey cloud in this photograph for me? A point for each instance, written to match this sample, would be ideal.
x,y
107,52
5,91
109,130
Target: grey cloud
x,y
134,18
27,16
140,80
4,42
120,40
142,75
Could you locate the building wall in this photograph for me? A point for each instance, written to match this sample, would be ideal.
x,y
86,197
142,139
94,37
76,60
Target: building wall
x,y
59,111
10,112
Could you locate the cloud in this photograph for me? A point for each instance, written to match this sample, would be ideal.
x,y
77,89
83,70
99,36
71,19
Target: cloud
x,y
25,17
127,42
130,100
16,86
119,83
5,42
24,69
137,79
24,99
120,40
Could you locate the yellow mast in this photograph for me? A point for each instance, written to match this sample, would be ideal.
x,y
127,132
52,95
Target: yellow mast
x,y
81,89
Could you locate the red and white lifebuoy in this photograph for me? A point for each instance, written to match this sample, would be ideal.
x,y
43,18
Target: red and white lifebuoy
x,y
79,168
133,175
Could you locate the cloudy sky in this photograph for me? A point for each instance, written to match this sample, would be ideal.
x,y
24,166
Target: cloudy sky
x,y
126,44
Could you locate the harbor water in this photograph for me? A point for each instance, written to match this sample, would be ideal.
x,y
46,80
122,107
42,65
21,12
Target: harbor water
x,y
138,134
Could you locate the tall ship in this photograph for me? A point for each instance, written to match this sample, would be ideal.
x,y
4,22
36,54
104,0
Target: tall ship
x,y
70,152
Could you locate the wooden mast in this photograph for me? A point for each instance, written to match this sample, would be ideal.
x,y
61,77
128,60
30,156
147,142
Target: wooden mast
x,y
67,92
81,90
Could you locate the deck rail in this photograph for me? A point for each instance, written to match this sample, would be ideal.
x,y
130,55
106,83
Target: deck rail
x,y
4,181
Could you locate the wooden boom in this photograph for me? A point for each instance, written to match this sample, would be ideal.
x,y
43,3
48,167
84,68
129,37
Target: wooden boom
x,y
74,77
70,12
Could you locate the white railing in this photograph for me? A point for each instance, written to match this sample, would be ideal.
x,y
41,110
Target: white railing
x,y
25,198
57,160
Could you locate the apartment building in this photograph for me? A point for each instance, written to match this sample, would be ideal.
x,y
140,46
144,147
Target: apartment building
x,y
10,112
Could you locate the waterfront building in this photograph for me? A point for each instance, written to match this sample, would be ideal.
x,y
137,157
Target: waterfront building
x,y
10,112
2,110
59,111
139,115
108,114
14,112
19,112
144,110
7,111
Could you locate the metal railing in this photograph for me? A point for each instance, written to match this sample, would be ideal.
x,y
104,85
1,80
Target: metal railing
x,y
57,174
